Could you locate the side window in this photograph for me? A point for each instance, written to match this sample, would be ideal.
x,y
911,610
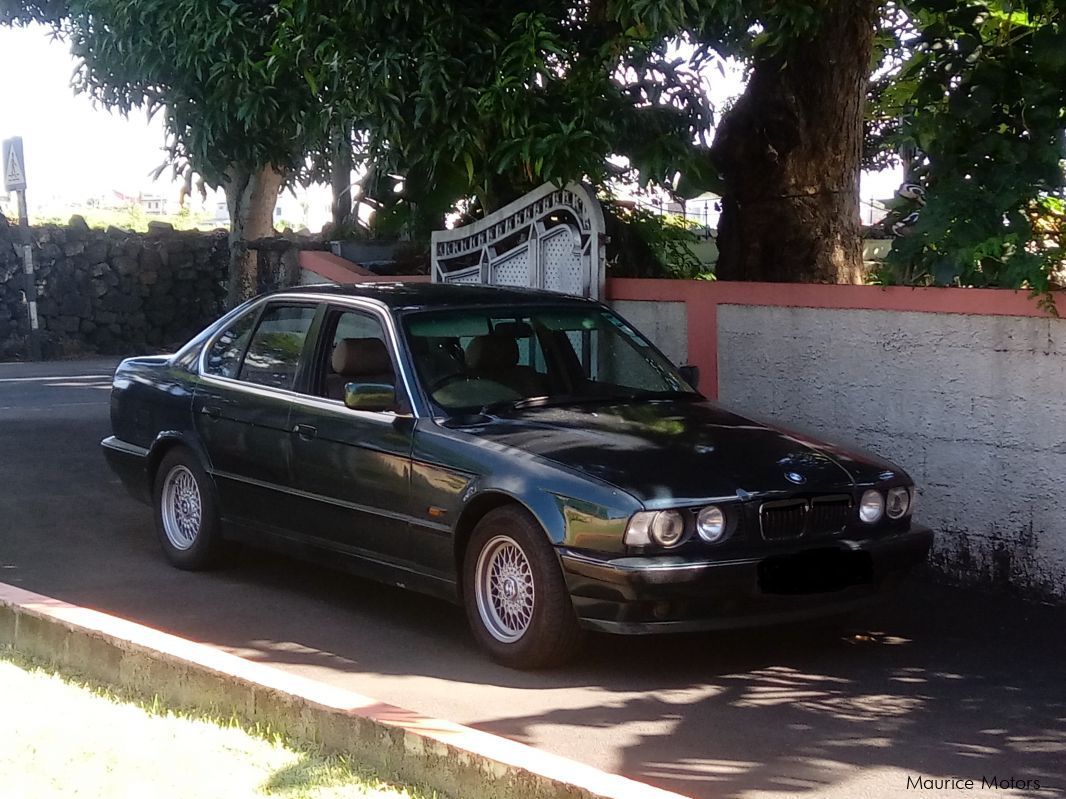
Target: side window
x,y
357,353
355,324
224,354
274,352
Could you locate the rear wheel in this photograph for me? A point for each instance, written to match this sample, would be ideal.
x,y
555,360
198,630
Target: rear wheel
x,y
186,514
516,600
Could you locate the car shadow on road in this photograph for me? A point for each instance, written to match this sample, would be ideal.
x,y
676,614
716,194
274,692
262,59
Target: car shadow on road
x,y
940,683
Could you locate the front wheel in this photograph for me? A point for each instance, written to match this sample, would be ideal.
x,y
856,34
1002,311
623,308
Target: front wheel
x,y
186,515
516,600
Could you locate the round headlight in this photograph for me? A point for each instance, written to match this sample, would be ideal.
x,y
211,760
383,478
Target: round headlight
x,y
898,503
872,506
710,524
667,528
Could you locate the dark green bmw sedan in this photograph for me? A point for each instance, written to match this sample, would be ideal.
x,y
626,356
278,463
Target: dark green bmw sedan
x,y
529,455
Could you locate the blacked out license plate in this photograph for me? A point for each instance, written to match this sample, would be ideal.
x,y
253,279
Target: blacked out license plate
x,y
815,571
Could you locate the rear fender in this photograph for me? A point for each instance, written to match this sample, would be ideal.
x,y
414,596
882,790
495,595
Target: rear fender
x,y
166,441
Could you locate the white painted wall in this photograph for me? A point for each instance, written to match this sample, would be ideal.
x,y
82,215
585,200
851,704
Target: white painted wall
x,y
973,407
665,323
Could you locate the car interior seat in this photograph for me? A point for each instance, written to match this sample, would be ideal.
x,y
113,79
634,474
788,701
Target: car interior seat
x,y
495,357
364,360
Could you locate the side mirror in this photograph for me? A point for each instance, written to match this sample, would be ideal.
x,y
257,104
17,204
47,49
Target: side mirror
x,y
370,397
691,375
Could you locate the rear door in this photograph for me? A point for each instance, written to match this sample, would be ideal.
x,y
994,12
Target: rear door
x,y
242,408
352,468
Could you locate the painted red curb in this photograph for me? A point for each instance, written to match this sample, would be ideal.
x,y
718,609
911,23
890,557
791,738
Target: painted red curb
x,y
476,743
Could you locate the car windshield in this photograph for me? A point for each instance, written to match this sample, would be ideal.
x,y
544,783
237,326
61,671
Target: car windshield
x,y
482,359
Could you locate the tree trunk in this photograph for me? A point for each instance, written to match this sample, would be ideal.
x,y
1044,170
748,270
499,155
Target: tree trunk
x,y
251,197
789,152
341,181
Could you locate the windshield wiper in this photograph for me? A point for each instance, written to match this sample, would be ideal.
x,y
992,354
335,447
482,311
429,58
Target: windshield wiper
x,y
586,399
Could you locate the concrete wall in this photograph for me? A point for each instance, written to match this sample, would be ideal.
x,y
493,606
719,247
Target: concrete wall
x,y
974,407
665,323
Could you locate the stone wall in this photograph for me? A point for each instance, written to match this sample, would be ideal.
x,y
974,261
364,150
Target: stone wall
x,y
278,260
110,291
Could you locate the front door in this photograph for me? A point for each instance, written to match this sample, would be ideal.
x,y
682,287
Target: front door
x,y
352,468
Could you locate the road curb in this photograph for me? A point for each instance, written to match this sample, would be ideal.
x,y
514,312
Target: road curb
x,y
399,743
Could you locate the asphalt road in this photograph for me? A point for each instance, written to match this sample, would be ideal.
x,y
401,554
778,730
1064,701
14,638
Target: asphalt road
x,y
940,683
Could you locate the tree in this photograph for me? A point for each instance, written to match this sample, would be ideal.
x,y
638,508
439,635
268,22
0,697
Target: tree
x,y
457,106
476,101
977,89
790,150
235,111
489,99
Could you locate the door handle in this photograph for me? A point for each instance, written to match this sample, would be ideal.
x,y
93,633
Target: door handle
x,y
305,431
211,411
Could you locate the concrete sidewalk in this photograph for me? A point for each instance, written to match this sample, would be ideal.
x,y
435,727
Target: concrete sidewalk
x,y
399,743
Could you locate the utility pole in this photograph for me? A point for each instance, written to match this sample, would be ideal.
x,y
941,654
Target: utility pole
x,y
14,166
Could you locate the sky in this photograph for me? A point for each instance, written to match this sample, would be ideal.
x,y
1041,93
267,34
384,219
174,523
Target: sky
x,y
75,150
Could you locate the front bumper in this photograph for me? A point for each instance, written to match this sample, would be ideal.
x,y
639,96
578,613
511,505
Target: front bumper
x,y
674,594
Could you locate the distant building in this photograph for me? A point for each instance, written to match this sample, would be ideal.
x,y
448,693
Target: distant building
x,y
153,204
704,210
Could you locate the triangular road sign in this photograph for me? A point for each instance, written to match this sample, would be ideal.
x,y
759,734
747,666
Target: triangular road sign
x,y
14,169
14,174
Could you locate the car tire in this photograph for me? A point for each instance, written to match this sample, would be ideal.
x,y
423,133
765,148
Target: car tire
x,y
516,600
186,513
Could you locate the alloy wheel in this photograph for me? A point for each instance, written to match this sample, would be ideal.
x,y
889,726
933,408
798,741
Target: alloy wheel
x,y
504,589
182,508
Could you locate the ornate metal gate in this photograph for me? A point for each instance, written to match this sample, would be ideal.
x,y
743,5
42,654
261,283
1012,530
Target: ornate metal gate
x,y
551,239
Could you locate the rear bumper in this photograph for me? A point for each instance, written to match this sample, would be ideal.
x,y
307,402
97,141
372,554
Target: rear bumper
x,y
664,594
130,464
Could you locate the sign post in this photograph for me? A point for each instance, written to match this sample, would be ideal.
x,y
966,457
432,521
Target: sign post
x,y
14,169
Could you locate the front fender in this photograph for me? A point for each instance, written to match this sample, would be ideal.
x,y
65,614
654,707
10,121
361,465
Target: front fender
x,y
594,519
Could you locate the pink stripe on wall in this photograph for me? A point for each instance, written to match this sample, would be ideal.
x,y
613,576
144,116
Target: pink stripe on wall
x,y
702,298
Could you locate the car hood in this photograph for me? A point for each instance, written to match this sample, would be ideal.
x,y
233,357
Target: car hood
x,y
671,452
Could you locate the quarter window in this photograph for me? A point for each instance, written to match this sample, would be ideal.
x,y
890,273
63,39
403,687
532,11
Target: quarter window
x,y
273,357
224,355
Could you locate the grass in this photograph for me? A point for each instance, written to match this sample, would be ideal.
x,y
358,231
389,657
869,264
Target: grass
x,y
61,736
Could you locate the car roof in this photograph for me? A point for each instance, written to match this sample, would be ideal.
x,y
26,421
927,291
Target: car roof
x,y
408,296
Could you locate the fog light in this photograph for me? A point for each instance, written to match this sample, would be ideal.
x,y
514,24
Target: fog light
x,y
661,610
